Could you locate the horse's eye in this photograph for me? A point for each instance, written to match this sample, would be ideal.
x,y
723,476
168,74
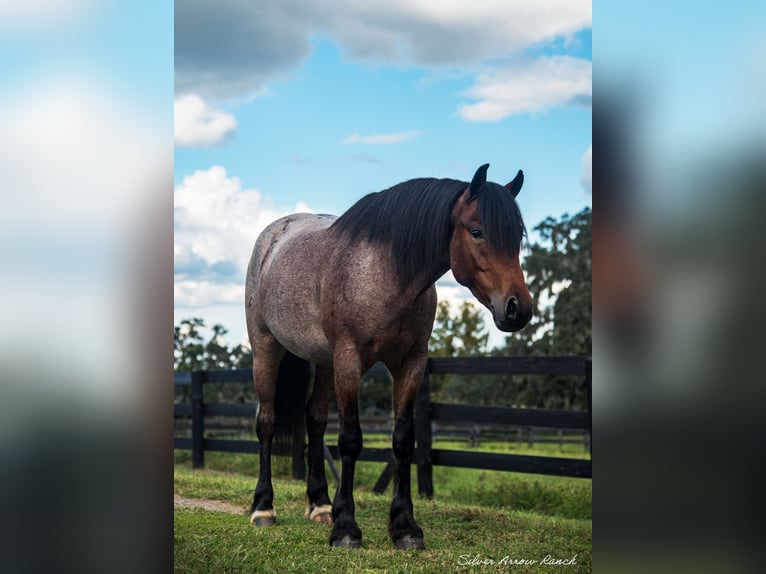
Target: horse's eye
x,y
476,233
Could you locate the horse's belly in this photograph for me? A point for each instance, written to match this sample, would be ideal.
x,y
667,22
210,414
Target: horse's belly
x,y
295,320
309,344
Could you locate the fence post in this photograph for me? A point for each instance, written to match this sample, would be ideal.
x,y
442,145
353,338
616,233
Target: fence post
x,y
198,421
589,388
331,463
423,436
385,477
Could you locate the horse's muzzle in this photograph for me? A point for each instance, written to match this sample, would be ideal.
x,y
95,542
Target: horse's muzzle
x,y
513,315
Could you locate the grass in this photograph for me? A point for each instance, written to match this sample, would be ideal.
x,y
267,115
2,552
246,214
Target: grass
x,y
459,537
549,495
476,520
567,450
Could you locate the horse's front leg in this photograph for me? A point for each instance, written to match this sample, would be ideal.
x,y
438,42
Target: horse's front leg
x,y
348,371
402,528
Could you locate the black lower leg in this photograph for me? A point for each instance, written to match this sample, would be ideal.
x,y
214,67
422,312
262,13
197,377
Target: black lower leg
x,y
316,423
263,498
402,527
316,487
345,530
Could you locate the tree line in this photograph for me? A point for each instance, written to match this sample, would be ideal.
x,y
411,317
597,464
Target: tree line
x,y
558,270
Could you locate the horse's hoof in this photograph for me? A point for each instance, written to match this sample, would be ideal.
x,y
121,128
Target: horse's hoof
x,y
321,514
347,542
263,518
409,542
325,518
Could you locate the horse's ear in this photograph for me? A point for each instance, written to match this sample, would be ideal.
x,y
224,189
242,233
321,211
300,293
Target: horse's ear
x,y
515,186
478,181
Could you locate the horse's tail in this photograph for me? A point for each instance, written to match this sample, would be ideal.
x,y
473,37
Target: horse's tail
x,y
290,406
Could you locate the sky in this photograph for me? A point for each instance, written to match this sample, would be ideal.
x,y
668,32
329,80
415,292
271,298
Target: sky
x,y
283,107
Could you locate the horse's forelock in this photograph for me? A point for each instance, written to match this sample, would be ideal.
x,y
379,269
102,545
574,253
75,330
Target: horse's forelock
x,y
501,218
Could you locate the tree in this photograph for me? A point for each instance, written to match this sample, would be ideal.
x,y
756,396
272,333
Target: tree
x,y
558,270
192,353
241,357
460,335
188,349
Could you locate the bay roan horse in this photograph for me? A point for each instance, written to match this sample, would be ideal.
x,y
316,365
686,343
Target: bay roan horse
x,y
346,292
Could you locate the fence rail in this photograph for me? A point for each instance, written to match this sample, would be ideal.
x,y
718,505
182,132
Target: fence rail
x,y
426,413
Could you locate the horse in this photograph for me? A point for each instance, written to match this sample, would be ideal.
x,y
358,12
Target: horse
x,y
346,292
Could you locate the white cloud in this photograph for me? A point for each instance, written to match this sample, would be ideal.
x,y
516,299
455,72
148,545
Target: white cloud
x,y
232,48
529,87
253,43
216,223
381,138
198,124
198,294
587,170
449,32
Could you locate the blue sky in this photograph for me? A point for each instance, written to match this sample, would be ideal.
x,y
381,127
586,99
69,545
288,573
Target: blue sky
x,y
324,111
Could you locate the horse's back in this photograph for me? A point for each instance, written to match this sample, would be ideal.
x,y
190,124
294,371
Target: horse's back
x,y
278,233
282,286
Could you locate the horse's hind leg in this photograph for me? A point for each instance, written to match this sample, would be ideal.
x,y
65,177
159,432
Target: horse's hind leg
x,y
267,354
403,529
318,505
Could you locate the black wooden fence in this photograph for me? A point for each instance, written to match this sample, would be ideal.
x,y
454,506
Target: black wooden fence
x,y
426,412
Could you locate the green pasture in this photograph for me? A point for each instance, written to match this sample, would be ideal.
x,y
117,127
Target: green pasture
x,y
478,521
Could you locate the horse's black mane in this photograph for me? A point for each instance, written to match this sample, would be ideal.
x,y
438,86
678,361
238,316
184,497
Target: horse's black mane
x,y
415,219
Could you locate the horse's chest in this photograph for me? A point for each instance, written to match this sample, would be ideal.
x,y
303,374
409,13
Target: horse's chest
x,y
380,317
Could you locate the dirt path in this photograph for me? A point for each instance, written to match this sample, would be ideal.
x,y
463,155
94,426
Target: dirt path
x,y
206,504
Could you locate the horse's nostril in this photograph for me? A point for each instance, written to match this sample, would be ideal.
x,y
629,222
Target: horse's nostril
x,y
512,309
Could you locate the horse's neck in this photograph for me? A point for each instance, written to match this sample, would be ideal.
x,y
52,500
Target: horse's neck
x,y
427,278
